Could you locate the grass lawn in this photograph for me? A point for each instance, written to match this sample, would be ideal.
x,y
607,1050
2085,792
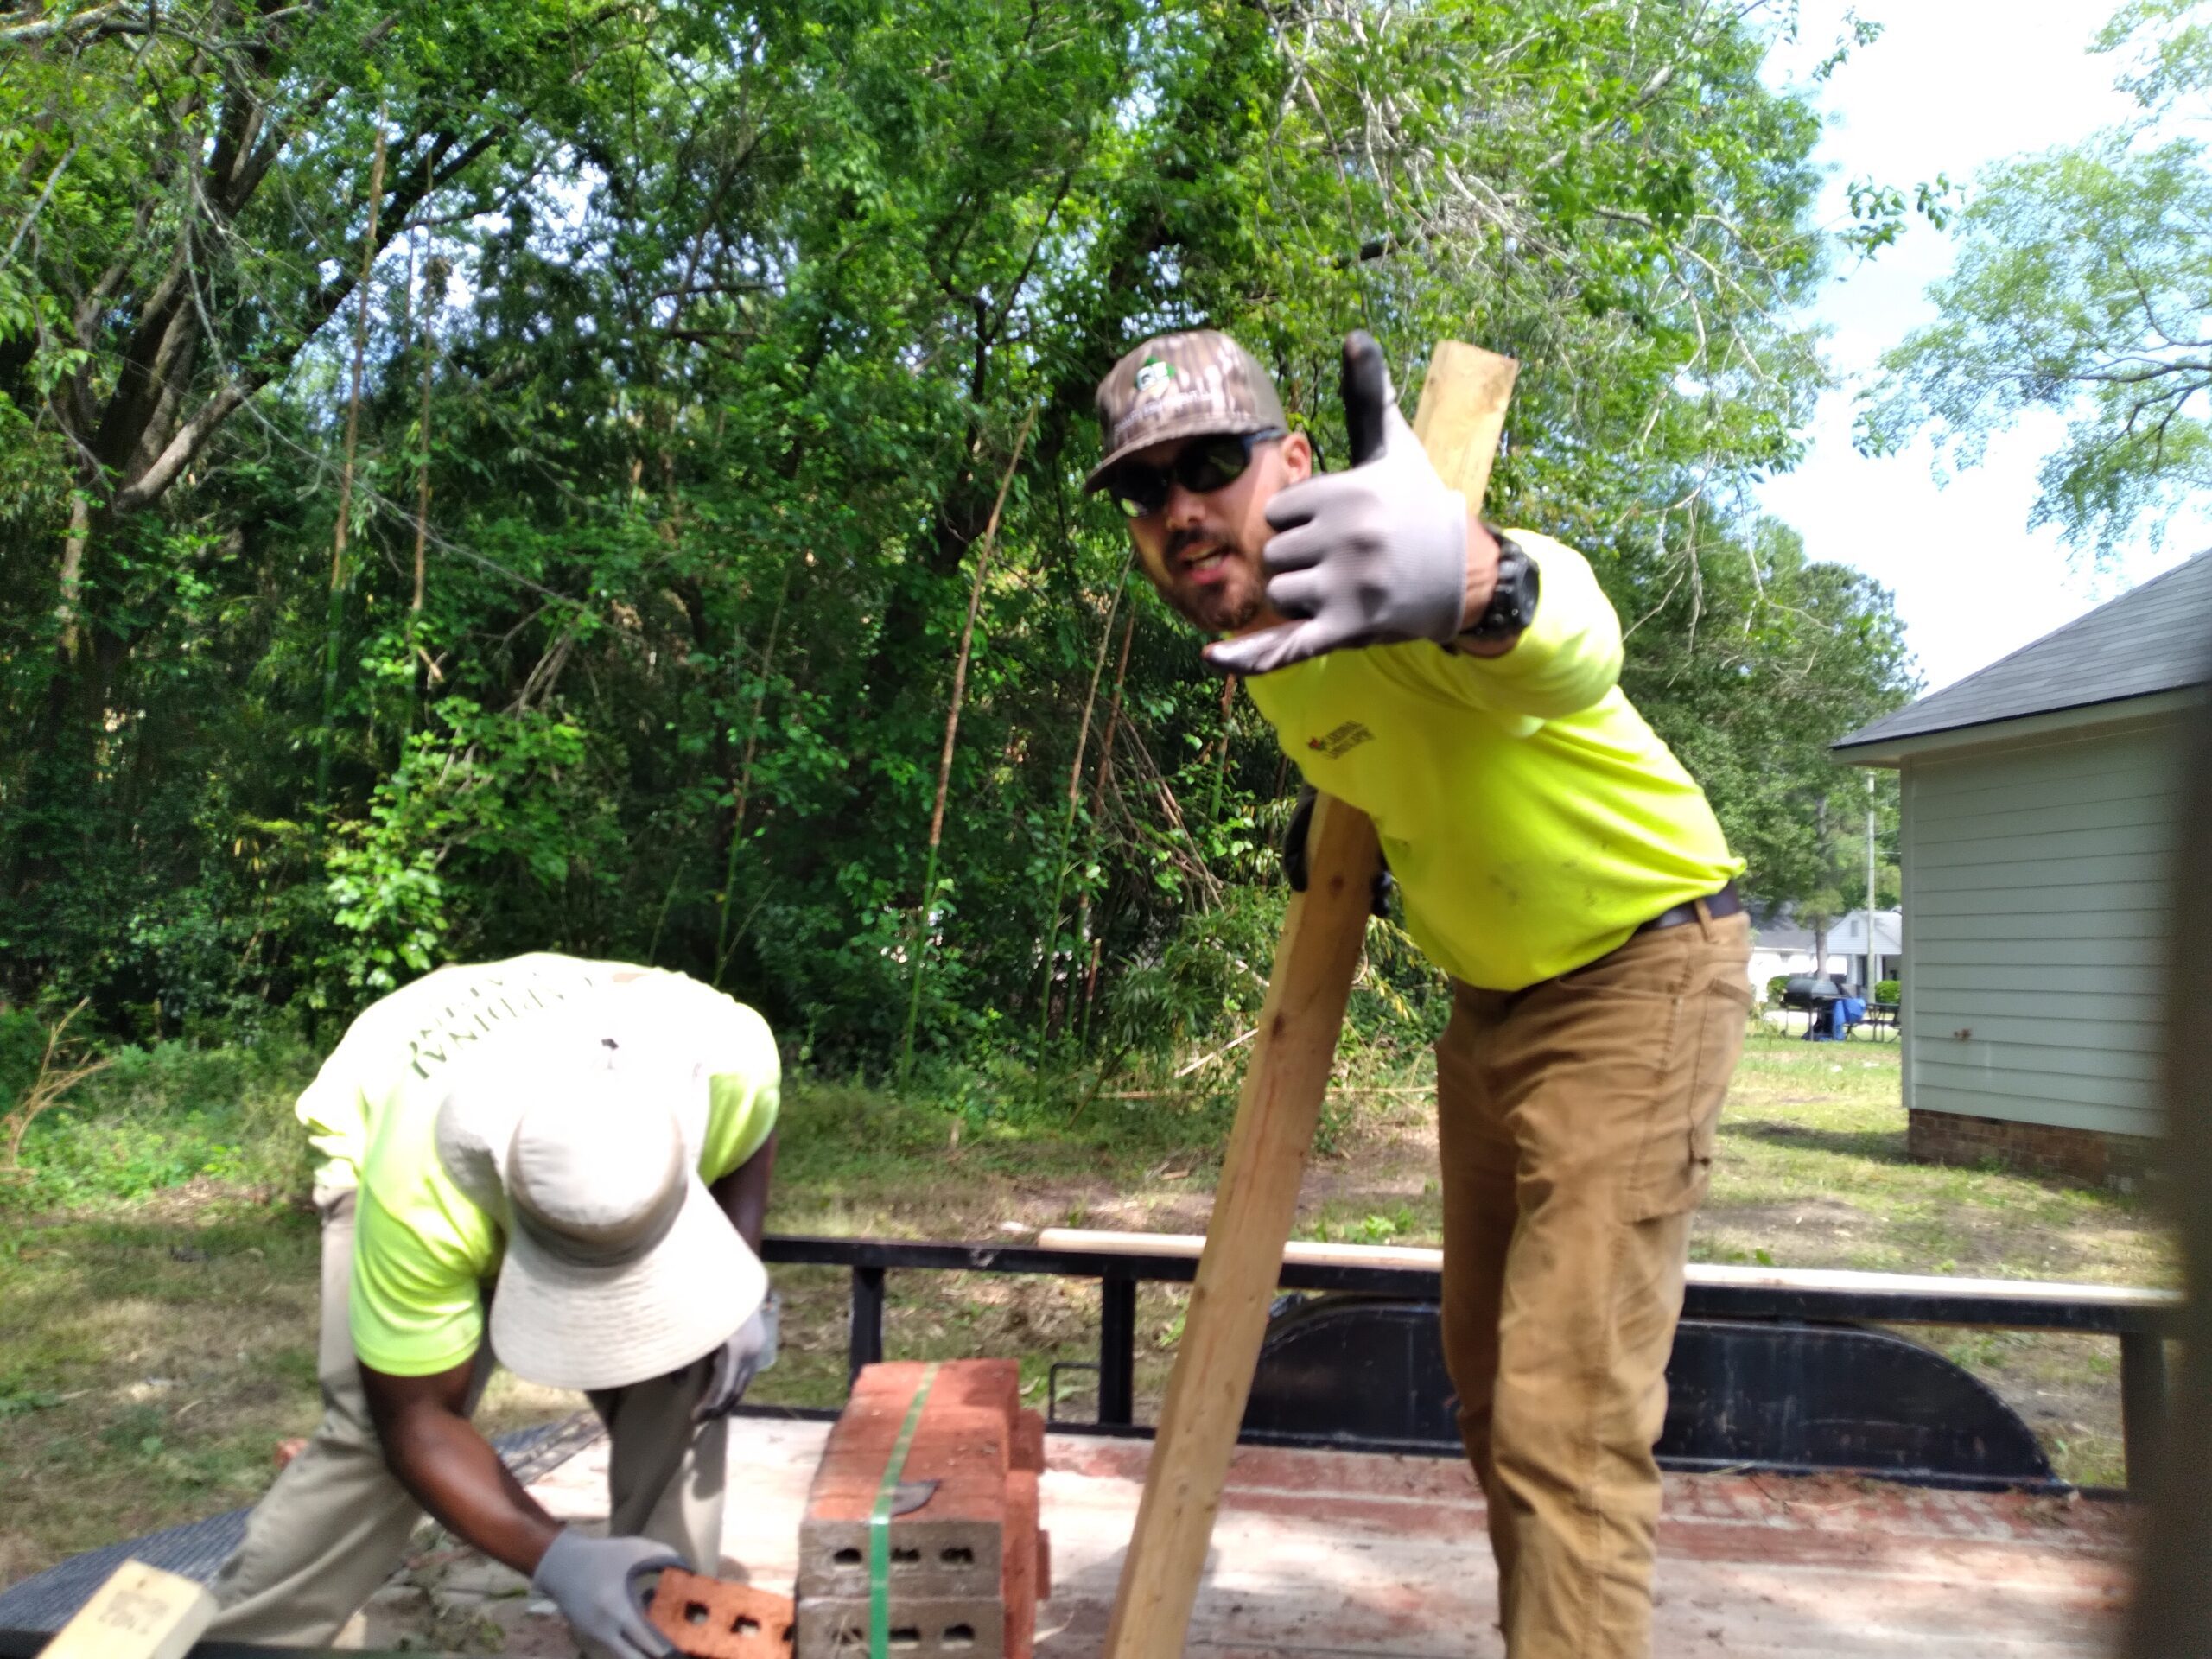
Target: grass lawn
x,y
154,1347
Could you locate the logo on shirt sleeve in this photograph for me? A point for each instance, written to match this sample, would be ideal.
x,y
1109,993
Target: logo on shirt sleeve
x,y
1341,741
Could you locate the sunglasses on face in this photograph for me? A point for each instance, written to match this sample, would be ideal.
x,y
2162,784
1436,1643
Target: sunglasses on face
x,y
1203,465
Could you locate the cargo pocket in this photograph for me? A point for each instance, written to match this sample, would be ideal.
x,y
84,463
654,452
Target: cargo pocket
x,y
1675,1169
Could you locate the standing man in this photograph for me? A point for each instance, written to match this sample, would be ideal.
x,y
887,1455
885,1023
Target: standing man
x,y
1458,684
585,1146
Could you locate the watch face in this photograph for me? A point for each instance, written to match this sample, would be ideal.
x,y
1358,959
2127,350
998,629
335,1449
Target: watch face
x,y
1513,599
1524,588
1512,605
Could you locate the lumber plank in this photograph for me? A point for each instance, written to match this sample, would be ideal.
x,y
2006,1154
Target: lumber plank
x,y
1253,1210
1415,1258
140,1612
1461,415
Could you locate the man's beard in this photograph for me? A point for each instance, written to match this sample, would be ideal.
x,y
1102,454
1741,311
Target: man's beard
x,y
1216,610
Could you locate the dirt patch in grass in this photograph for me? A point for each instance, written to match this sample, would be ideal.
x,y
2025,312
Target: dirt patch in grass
x,y
1814,1226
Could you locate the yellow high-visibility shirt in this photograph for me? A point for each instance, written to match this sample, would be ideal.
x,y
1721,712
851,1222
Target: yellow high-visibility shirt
x,y
1531,818
423,1248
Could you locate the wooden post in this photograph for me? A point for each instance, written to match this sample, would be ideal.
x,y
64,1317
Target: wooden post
x,y
1462,413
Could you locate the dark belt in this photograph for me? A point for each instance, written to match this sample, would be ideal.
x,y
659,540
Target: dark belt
x,y
1726,902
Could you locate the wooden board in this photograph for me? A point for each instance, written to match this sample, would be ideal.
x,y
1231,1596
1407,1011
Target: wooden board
x,y
1462,413
140,1612
1310,1254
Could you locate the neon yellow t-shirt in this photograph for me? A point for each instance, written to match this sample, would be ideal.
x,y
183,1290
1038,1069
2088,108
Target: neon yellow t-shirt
x,y
1531,818
423,1250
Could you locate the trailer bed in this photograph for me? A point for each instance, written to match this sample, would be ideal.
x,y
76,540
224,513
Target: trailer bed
x,y
1346,1555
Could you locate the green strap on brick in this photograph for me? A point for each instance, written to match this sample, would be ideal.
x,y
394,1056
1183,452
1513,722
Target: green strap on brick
x,y
879,1525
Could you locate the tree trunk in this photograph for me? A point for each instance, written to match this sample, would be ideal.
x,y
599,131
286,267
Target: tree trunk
x,y
951,737
336,626
72,570
1049,947
433,289
1100,780
742,785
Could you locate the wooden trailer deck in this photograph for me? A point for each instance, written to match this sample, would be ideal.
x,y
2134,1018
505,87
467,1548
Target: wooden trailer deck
x,y
1340,1555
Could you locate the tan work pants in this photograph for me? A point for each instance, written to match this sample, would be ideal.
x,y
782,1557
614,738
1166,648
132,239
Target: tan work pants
x,y
1576,1125
328,1533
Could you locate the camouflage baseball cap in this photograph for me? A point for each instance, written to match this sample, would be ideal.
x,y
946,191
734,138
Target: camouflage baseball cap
x,y
1181,386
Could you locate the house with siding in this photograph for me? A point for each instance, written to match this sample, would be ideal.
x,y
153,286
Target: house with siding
x,y
2041,816
1782,944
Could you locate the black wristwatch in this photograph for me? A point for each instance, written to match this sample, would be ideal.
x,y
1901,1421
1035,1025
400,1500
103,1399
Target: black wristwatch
x,y
1512,605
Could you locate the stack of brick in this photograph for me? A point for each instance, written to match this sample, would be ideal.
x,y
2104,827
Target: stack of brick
x,y
968,1566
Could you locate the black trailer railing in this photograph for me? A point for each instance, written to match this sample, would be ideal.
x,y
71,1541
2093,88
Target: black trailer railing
x,y
2140,1320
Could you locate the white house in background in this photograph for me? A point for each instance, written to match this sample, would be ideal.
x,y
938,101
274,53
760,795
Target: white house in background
x,y
2042,804
1785,945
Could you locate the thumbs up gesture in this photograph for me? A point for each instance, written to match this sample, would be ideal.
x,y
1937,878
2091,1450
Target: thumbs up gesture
x,y
1367,556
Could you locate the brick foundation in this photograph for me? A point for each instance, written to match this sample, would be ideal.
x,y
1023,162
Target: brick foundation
x,y
2087,1155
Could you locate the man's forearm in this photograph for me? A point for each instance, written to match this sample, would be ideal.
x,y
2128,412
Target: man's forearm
x,y
1482,582
743,1193
453,1472
1567,656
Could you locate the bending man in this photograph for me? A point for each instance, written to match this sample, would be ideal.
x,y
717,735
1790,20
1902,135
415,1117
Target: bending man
x,y
1458,685
587,1146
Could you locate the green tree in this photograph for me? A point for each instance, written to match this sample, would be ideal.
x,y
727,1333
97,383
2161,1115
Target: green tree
x,y
744,313
183,191
2082,285
1750,667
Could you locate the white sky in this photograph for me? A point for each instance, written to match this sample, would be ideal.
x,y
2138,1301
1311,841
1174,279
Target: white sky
x,y
1951,85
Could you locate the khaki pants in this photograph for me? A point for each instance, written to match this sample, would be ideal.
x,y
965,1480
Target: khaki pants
x,y
328,1533
1575,1126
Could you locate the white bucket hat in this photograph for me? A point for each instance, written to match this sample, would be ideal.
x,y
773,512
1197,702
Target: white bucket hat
x,y
619,1265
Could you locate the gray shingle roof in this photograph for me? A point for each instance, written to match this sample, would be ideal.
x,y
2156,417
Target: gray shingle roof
x,y
2157,637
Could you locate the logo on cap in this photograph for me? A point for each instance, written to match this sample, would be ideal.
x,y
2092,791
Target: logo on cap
x,y
1156,377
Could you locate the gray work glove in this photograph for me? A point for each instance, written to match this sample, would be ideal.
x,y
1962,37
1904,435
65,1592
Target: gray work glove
x,y
750,1351
594,1582
1367,556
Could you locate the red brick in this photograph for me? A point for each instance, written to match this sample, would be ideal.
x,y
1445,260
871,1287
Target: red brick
x,y
970,1628
714,1618
1019,1587
1027,1451
966,1569
951,1548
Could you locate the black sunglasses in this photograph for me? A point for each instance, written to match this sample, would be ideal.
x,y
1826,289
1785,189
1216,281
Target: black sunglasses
x,y
1202,467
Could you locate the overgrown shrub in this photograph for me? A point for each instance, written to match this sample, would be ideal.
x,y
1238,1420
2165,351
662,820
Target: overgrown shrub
x,y
160,1117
